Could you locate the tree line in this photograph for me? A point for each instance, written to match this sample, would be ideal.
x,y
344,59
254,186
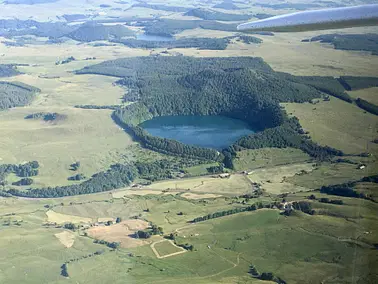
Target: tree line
x,y
116,176
15,94
369,107
200,43
8,70
219,214
349,189
365,42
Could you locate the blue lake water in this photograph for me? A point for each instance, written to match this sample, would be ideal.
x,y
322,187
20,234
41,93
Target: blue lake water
x,y
216,132
147,37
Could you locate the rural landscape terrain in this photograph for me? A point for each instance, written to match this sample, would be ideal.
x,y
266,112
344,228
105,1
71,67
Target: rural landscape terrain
x,y
151,142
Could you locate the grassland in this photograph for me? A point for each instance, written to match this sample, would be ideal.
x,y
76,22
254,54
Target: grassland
x,y
268,157
338,124
329,174
273,180
299,248
235,184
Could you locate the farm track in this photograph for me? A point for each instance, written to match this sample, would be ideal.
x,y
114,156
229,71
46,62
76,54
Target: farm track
x,y
167,255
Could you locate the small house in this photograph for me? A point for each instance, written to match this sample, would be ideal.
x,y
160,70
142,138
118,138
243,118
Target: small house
x,y
225,175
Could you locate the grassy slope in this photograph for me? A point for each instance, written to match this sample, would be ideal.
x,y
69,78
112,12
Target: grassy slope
x,y
370,95
338,124
267,157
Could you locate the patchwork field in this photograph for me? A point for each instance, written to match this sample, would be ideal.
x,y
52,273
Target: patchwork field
x,y
268,157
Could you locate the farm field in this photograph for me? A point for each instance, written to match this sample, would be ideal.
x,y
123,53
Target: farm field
x,y
134,210
165,248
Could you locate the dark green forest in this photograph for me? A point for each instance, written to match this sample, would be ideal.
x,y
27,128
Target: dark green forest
x,y
351,83
8,70
364,42
46,116
200,43
348,189
328,85
14,27
92,32
117,176
369,107
13,94
192,42
24,170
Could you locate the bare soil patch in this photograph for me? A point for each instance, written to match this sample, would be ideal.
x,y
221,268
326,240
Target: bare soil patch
x,y
66,238
59,218
120,232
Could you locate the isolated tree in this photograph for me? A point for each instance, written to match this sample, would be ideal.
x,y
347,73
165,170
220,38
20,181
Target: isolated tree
x,y
268,276
70,226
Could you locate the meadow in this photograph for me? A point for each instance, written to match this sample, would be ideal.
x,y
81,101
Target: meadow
x,y
335,245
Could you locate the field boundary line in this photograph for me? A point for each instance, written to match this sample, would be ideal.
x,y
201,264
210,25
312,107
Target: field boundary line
x,y
167,255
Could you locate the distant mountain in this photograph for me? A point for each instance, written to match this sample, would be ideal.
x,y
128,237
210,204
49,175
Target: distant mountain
x,y
7,70
207,14
227,5
162,7
29,2
93,32
74,17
